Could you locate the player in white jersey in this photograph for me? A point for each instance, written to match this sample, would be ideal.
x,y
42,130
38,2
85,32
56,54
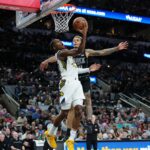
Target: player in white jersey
x,y
82,60
70,87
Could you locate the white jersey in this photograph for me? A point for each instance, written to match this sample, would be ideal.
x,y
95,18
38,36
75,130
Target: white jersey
x,y
68,67
71,91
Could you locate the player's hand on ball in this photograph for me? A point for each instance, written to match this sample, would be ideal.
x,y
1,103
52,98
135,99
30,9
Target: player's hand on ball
x,y
80,24
43,65
95,67
84,30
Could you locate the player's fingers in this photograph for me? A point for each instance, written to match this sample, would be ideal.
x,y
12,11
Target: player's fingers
x,y
99,65
43,66
126,43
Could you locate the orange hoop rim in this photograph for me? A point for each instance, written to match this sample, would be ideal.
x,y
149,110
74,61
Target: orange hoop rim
x,y
64,12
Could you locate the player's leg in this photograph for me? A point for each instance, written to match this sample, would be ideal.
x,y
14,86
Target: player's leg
x,y
77,103
94,143
69,121
75,125
78,106
66,91
88,101
88,145
77,116
51,133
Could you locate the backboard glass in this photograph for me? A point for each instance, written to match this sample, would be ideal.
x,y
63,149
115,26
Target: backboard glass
x,y
24,19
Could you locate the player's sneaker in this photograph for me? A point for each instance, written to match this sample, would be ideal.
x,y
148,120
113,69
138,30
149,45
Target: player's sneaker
x,y
70,144
50,140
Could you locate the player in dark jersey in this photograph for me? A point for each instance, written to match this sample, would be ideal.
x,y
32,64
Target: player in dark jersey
x,y
82,61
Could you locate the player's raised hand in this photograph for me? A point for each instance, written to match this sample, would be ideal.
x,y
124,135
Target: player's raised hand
x,y
95,67
43,65
85,29
123,45
82,27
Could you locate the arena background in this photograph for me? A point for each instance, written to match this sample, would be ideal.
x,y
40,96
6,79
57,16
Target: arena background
x,y
120,89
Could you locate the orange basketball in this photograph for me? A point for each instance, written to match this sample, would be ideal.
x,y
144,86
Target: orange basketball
x,y
79,23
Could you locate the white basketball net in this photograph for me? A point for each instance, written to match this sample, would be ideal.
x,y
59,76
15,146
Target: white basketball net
x,y
61,20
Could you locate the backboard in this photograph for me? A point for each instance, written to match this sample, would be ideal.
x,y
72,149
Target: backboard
x,y
24,19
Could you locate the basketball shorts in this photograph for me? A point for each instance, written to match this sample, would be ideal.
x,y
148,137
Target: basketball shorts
x,y
85,81
71,93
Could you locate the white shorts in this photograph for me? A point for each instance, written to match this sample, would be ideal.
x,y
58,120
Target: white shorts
x,y
71,93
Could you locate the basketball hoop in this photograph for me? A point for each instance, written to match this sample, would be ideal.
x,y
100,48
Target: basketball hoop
x,y
62,16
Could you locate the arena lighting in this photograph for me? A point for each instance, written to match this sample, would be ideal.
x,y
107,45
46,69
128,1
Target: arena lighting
x,y
147,55
108,14
93,79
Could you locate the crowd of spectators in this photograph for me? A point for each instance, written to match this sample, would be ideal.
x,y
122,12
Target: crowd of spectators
x,y
39,103
116,120
128,77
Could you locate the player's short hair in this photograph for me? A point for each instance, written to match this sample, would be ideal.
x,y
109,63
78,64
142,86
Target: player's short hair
x,y
77,36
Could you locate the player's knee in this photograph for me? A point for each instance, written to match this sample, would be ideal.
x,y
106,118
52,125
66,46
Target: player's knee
x,y
78,111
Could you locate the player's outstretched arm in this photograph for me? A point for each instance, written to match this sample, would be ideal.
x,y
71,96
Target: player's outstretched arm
x,y
104,52
83,70
44,64
92,68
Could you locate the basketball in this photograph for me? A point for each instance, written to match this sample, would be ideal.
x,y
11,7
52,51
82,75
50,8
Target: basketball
x,y
79,23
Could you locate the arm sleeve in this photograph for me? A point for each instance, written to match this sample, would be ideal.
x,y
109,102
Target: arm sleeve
x,y
83,70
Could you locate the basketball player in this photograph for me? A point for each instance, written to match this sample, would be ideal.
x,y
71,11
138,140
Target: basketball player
x,y
70,88
82,62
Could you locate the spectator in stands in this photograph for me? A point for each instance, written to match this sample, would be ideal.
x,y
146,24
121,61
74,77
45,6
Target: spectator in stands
x,y
3,145
14,126
26,127
40,131
33,125
36,115
36,134
21,119
141,115
119,105
28,143
16,143
7,137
